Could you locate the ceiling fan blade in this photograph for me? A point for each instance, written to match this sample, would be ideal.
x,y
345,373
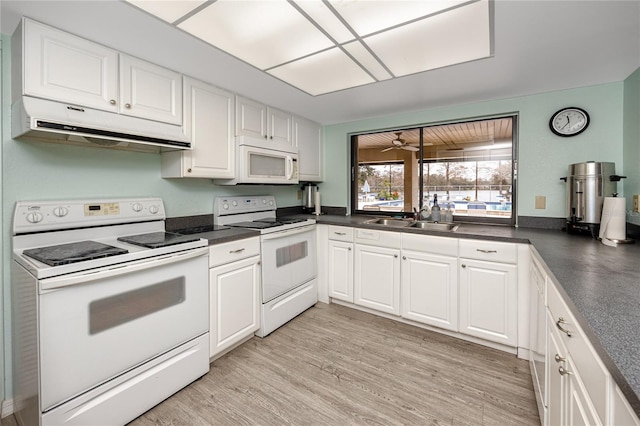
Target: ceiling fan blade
x,y
387,149
411,148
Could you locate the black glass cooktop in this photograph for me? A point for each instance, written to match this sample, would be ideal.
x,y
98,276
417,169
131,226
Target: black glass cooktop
x,y
80,251
266,223
157,239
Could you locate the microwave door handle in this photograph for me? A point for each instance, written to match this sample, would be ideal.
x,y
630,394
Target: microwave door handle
x,y
289,167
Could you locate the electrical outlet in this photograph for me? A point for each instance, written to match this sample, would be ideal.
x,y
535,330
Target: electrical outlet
x,y
636,203
541,202
299,195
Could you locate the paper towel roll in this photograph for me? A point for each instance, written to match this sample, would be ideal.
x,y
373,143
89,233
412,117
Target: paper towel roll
x,y
613,219
317,203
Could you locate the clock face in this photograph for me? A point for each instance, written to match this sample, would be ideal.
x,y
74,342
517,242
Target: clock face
x,y
569,121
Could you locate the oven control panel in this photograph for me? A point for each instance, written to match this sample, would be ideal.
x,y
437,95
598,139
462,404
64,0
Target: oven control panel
x,y
224,206
36,216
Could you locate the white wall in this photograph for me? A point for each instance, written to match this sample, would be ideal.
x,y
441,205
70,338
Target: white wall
x,y
543,157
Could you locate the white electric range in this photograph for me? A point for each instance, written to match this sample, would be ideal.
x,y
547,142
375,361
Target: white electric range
x,y
288,256
110,312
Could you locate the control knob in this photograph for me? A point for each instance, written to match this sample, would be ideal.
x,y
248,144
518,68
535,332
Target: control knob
x,y
154,209
225,206
34,217
60,211
137,207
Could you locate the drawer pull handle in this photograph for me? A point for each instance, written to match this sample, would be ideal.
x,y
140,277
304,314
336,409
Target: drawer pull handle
x,y
236,251
558,358
340,233
487,251
463,265
563,371
349,249
564,330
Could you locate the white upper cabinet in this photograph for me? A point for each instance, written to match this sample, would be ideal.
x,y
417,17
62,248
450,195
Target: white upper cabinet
x,y
208,123
62,67
261,122
66,68
149,91
307,137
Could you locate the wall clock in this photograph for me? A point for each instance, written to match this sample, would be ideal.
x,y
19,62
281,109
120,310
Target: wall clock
x,y
569,121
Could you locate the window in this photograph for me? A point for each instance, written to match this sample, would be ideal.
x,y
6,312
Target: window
x,y
469,166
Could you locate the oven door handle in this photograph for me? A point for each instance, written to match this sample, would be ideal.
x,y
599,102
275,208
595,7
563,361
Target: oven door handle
x,y
287,232
120,269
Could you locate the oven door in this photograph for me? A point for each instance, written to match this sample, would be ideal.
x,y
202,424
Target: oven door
x,y
288,260
113,319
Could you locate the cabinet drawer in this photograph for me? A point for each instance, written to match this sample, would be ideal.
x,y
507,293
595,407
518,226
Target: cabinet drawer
x,y
341,233
593,373
429,244
233,250
378,238
491,251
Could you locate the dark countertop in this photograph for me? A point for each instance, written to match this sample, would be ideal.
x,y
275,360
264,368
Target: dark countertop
x,y
600,284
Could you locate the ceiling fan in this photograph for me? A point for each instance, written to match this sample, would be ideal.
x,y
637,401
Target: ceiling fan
x,y
399,143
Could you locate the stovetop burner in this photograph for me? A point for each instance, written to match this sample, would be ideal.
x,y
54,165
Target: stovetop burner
x,y
157,239
80,251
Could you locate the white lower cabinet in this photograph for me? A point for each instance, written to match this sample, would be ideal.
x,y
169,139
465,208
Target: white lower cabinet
x,y
621,412
377,270
234,292
340,274
569,402
489,301
429,283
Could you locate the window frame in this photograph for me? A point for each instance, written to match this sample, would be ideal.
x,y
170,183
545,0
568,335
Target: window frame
x,y
353,184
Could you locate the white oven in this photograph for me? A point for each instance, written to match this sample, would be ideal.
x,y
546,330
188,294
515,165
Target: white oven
x,y
264,166
288,260
110,312
288,256
114,320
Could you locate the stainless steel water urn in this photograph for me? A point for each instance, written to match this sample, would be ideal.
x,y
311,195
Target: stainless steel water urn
x,y
587,185
309,197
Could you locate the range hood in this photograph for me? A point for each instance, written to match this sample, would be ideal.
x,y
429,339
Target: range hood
x,y
51,121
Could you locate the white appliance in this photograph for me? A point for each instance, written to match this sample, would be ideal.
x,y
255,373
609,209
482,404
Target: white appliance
x,y
257,164
110,312
61,122
288,250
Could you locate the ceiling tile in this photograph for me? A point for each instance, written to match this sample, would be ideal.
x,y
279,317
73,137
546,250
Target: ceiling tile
x,y
367,17
457,36
324,72
169,11
262,33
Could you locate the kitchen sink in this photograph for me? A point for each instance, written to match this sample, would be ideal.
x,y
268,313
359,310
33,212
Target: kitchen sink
x,y
389,222
435,226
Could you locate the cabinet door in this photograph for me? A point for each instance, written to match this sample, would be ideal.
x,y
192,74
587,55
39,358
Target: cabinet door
x,y
209,116
488,301
430,289
307,137
556,383
279,129
251,118
150,91
377,278
67,68
234,291
341,270
580,411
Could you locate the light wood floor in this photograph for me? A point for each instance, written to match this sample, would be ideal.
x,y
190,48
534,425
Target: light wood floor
x,y
334,365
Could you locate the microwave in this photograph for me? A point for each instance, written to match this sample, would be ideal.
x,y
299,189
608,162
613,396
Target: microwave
x,y
258,165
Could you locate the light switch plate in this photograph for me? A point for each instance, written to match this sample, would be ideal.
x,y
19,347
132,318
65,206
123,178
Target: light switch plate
x,y
541,202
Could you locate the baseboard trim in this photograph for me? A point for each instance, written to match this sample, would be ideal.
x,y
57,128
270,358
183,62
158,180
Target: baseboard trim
x,y
7,408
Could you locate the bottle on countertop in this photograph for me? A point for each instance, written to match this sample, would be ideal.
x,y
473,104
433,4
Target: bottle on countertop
x,y
435,210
